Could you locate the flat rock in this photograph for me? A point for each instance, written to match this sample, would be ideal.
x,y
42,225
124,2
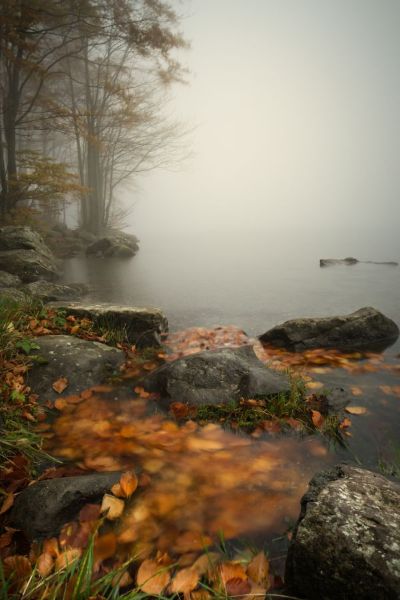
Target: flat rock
x,y
216,377
41,509
24,253
82,362
22,238
364,329
48,291
346,543
141,326
12,294
8,280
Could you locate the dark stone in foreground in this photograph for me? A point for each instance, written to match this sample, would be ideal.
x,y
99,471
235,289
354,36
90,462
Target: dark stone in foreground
x,y
364,329
347,541
82,362
216,377
141,326
43,508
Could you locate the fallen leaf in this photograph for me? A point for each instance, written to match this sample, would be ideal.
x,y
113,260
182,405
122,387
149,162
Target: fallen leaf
x,y
356,410
17,566
74,399
66,559
345,423
151,579
60,385
7,503
185,581
237,587
105,546
232,570
74,329
86,394
112,506
317,418
314,385
356,391
128,483
50,546
206,562
179,410
45,564
60,403
258,569
90,512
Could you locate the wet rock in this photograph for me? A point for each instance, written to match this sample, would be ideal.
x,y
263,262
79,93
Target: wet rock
x,y
140,326
48,291
8,280
82,362
43,508
346,543
364,329
216,377
12,294
114,244
329,262
24,253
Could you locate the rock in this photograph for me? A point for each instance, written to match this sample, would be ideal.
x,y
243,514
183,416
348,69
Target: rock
x,y
346,543
114,244
8,280
364,329
48,292
41,509
24,253
328,262
216,377
82,362
12,294
141,326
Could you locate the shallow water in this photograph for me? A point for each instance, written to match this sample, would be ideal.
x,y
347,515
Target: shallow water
x,y
211,480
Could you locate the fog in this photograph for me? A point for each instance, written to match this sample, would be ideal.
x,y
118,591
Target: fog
x,y
295,106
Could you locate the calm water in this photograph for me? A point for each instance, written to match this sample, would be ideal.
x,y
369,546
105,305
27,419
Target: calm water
x,y
253,282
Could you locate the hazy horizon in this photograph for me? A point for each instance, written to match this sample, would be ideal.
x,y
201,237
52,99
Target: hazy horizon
x,y
295,108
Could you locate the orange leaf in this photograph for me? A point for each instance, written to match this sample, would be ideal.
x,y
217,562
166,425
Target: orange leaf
x,y
128,483
356,391
356,410
60,385
86,394
345,423
237,587
151,579
74,329
258,569
317,418
45,564
112,506
180,410
7,503
66,559
17,566
105,546
185,581
50,546
74,399
60,403
231,570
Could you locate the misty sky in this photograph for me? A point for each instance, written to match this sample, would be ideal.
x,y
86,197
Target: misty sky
x,y
296,104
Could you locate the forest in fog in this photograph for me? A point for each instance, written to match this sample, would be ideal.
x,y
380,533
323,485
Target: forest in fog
x,y
83,103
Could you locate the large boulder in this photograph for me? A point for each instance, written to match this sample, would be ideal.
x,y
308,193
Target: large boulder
x,y
40,510
140,326
11,294
82,362
115,244
49,292
216,377
364,329
24,253
346,543
7,280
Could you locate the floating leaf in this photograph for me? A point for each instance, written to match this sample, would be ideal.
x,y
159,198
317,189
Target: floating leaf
x,y
112,506
151,579
356,410
345,423
356,391
60,385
